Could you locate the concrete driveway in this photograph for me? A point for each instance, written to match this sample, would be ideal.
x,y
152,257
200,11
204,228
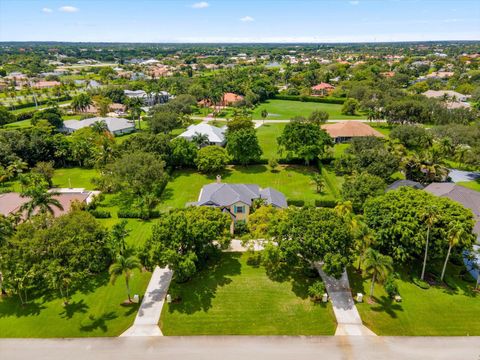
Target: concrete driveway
x,y
244,347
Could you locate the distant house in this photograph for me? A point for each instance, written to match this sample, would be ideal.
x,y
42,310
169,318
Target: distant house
x,y
46,84
322,89
11,202
447,94
231,98
467,197
346,130
216,136
149,99
237,199
116,126
399,183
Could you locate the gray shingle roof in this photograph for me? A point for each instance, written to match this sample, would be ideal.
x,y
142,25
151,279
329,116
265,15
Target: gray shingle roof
x,y
413,184
113,124
222,194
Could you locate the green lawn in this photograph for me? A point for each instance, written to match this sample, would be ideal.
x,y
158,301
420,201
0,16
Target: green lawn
x,y
437,311
267,138
74,177
293,180
235,298
97,312
474,184
19,124
287,109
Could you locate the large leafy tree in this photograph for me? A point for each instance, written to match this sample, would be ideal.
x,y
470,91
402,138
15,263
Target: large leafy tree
x,y
212,159
243,147
398,220
183,153
308,235
184,239
304,140
359,187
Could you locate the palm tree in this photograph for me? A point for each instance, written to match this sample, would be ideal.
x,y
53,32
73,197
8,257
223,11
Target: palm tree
x,y
377,265
81,102
344,209
454,236
40,199
134,105
99,127
446,145
365,239
200,139
429,216
319,182
124,266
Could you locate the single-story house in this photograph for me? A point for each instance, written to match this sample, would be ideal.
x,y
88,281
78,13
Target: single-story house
x,y
149,99
346,130
467,197
449,94
322,89
116,126
11,202
231,98
399,183
216,136
236,199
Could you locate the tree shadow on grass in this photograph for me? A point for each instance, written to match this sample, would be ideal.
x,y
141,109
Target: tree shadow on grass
x,y
73,308
300,279
11,306
197,294
387,305
99,322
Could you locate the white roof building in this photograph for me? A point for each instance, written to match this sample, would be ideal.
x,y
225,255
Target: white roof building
x,y
116,126
453,95
216,136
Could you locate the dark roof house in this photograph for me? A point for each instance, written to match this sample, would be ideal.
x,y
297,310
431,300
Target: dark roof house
x,y
399,183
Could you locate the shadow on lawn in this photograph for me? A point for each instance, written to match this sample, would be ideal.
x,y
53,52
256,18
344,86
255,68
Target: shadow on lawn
x,y
73,308
197,294
387,305
11,306
300,279
99,322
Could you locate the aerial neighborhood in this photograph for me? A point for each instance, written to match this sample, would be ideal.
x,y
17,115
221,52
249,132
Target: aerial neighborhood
x,y
152,189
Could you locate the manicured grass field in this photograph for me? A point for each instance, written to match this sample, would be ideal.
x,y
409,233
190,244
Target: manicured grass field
x,y
437,311
74,177
293,180
95,312
235,298
19,124
287,109
267,138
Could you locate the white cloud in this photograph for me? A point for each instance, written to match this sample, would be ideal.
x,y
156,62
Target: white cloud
x,y
47,10
354,2
68,9
201,5
247,19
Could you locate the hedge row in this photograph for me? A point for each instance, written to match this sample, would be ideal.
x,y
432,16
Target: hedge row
x,y
138,214
326,100
100,214
328,203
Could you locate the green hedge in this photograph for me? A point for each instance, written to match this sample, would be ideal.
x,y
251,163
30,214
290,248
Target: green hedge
x,y
316,99
420,283
328,203
100,214
137,214
295,202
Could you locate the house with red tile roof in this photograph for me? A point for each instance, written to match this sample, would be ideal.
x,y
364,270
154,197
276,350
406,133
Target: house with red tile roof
x,y
231,98
346,130
322,89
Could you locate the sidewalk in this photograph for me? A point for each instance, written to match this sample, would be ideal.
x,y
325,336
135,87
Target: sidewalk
x,y
348,318
146,322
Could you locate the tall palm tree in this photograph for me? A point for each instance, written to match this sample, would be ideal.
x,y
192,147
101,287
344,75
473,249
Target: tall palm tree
x,y
124,266
429,217
40,199
99,127
365,238
81,102
200,139
377,265
454,235
134,106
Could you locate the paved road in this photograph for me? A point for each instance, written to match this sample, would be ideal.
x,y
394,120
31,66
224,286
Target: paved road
x,y
146,321
346,313
243,347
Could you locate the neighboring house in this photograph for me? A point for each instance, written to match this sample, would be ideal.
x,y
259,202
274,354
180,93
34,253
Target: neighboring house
x,y
46,84
116,126
149,99
216,136
237,199
399,183
231,98
11,202
467,197
346,130
322,89
447,94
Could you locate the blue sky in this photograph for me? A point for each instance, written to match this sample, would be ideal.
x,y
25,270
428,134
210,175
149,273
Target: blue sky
x,y
239,20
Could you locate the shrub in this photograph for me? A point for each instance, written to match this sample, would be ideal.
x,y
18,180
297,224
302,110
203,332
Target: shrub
x,y
328,203
326,100
391,286
420,283
137,214
100,214
240,228
316,290
295,202
272,164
